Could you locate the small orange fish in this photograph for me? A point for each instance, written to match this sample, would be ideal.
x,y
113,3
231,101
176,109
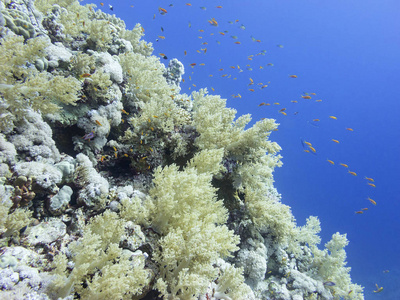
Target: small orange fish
x,y
352,173
378,289
282,109
162,10
251,90
344,165
293,76
350,129
315,120
85,75
371,184
372,201
283,113
276,103
329,161
161,37
307,143
294,101
312,149
98,123
306,97
333,117
314,94
185,52
237,43
364,209
359,212
369,179
193,64
124,111
202,64
189,4
336,141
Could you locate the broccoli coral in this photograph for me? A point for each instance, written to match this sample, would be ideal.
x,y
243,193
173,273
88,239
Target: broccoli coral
x,y
113,272
191,220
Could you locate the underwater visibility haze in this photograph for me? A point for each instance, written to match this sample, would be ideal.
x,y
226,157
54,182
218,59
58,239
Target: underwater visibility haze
x,y
328,72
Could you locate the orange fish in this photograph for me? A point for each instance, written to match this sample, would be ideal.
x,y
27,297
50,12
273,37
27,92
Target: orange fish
x,y
219,6
306,97
344,165
365,208
350,129
352,173
188,4
359,212
282,109
315,120
372,201
185,52
85,75
336,141
251,90
329,161
193,64
371,184
369,179
237,43
312,149
333,117
283,113
98,123
294,101
293,76
162,10
307,143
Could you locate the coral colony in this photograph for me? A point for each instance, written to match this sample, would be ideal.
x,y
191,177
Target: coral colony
x,y
114,185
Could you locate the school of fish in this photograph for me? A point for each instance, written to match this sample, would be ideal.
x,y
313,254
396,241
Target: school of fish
x,y
214,30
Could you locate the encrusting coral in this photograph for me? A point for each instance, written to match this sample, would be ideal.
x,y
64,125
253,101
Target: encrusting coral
x,y
155,193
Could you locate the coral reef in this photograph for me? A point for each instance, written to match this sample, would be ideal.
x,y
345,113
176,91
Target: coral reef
x,y
115,185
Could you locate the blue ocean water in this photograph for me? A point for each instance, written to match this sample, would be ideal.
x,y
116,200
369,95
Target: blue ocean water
x,y
347,53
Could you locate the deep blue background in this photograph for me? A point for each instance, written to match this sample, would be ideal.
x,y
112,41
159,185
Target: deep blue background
x,y
345,51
